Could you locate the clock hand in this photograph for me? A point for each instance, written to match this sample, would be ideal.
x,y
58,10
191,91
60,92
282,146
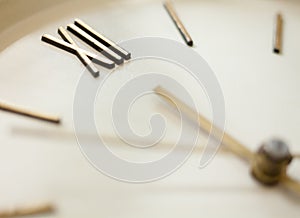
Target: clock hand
x,y
73,49
269,163
28,113
231,143
290,183
26,211
111,140
81,55
296,155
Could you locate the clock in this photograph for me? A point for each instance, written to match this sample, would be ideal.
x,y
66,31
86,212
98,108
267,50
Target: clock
x,y
41,161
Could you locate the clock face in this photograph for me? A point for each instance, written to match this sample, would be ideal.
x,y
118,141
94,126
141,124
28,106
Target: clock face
x,y
43,162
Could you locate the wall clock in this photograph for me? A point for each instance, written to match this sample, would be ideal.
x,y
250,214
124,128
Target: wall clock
x,y
42,162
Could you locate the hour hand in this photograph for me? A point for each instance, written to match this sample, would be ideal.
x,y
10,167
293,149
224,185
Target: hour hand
x,y
231,144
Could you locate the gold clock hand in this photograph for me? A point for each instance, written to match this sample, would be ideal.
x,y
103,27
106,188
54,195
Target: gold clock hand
x,y
269,163
296,155
232,144
290,183
29,113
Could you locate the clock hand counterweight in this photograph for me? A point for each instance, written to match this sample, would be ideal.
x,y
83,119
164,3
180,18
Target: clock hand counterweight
x,y
29,113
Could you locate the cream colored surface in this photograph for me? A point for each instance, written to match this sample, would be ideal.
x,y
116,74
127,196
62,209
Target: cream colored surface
x,y
39,161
